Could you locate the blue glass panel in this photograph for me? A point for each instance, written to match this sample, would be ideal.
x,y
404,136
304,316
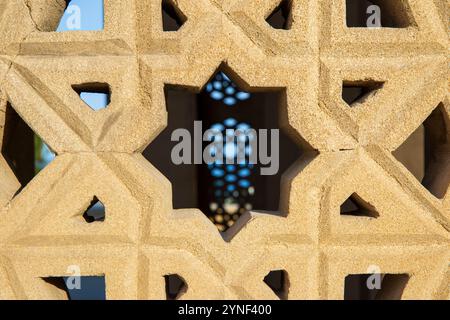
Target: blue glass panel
x,y
244,173
217,173
230,122
230,178
244,183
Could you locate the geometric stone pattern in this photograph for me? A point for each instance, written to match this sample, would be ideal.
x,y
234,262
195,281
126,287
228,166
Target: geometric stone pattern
x,y
42,230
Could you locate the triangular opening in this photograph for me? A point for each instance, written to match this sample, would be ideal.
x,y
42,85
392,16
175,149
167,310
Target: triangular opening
x,y
356,206
80,288
96,95
426,152
95,212
281,17
378,14
24,150
81,15
356,92
278,281
175,286
375,286
172,17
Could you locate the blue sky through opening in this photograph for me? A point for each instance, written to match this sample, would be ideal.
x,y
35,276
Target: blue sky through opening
x,y
91,15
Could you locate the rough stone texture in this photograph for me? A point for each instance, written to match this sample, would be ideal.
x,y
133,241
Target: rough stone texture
x,y
143,238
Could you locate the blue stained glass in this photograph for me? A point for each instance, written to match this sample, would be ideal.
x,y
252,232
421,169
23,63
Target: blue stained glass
x,y
244,183
222,88
243,126
242,137
242,162
231,168
233,180
229,101
216,95
230,178
242,95
217,173
230,90
217,85
218,126
225,77
230,122
244,173
230,150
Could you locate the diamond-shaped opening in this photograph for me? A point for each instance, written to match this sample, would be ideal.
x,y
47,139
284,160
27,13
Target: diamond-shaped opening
x,y
356,92
175,286
79,15
375,286
378,13
356,206
278,281
281,16
426,152
95,212
80,288
172,17
227,192
24,150
96,95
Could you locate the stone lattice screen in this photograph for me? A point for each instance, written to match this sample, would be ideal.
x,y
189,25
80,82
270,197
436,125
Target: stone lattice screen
x,y
42,231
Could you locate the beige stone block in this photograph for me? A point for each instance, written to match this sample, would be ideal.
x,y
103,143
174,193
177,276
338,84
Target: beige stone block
x,y
143,238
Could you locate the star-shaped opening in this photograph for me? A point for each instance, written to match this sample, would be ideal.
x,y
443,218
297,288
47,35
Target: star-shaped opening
x,y
228,191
